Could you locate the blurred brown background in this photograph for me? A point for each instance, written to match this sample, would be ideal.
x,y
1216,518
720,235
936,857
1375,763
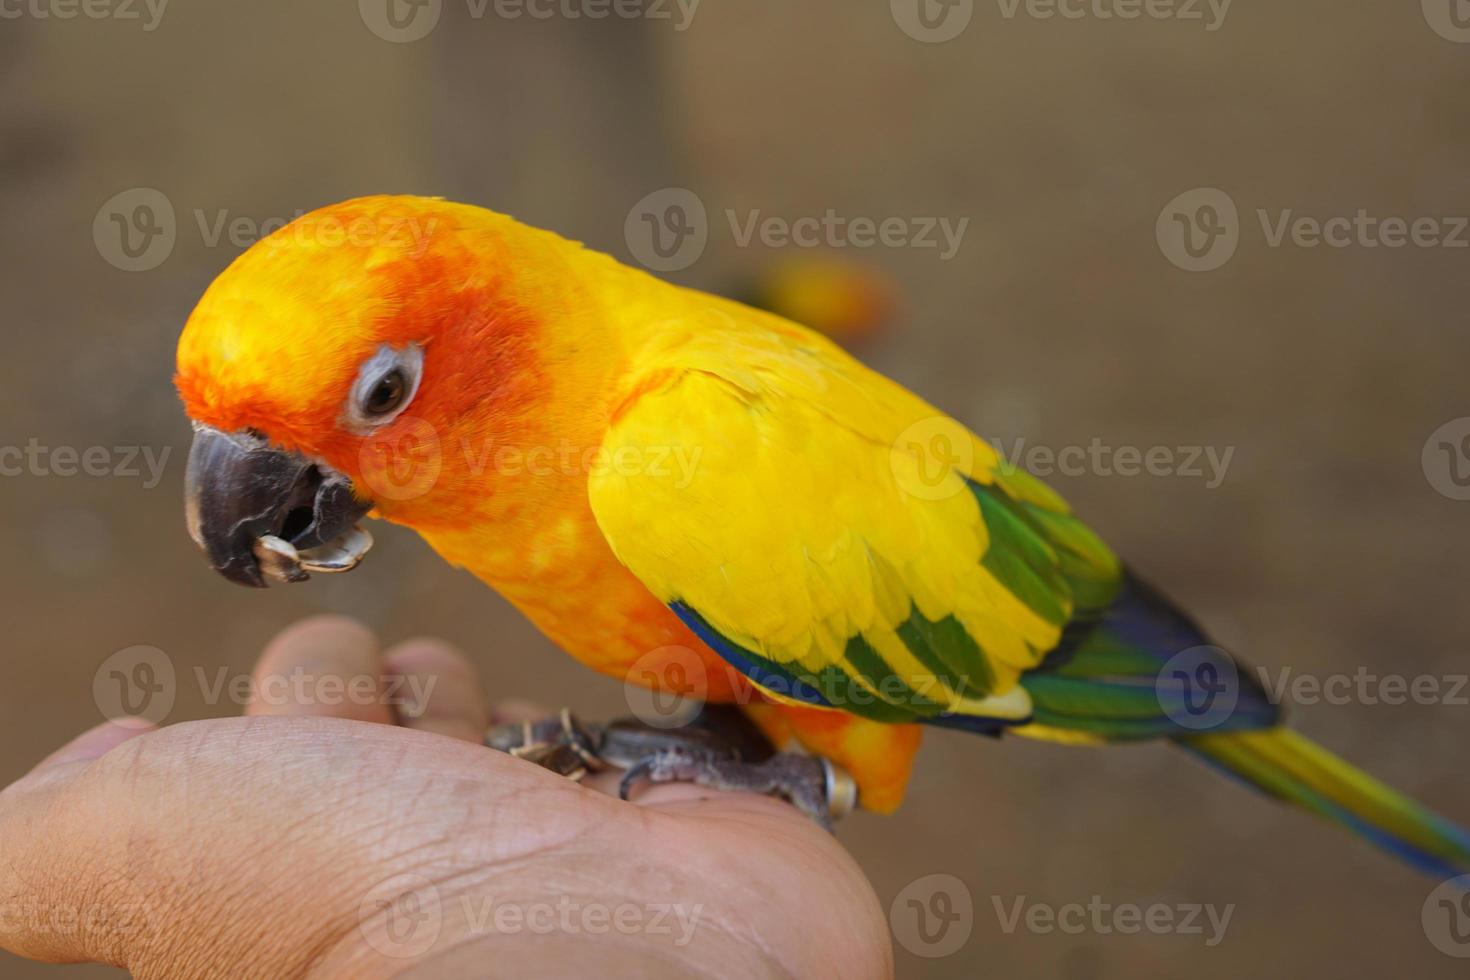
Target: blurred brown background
x,y
1326,548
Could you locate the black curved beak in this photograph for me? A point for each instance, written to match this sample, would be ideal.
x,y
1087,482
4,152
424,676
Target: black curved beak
x,y
260,512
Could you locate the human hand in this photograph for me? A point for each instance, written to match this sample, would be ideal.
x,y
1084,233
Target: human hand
x,y
308,841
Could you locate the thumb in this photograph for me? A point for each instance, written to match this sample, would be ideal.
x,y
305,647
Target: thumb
x,y
161,851
252,846
47,912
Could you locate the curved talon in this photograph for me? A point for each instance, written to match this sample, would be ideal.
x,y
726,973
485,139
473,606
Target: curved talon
x,y
639,770
842,790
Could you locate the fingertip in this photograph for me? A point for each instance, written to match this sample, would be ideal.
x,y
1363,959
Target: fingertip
x,y
425,651
313,631
435,688
325,665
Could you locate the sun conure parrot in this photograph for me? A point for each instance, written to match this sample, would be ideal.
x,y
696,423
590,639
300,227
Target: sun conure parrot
x,y
648,471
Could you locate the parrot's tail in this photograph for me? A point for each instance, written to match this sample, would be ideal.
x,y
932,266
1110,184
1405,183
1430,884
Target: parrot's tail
x,y
1290,767
1146,670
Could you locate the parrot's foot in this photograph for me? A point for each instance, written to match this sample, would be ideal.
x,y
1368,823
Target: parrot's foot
x,y
815,786
721,749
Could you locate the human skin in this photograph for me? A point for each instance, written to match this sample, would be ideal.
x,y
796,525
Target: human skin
x,y
312,840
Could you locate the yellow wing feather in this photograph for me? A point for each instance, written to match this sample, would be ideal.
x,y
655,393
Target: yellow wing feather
x,y
822,512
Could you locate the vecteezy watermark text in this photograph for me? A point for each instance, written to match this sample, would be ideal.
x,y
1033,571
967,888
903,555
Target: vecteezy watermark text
x,y
937,21
407,461
832,230
668,230
931,457
1201,687
570,917
403,917
1208,463
1210,13
137,229
1104,918
149,13
1200,230
141,684
65,462
1364,686
406,21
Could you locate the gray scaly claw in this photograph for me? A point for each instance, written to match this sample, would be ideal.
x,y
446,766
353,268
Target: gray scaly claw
x,y
815,786
721,751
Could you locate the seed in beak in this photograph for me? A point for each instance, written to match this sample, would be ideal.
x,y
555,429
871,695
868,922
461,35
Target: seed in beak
x,y
279,559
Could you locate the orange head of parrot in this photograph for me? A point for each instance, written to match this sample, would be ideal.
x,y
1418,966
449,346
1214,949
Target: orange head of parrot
x,y
338,366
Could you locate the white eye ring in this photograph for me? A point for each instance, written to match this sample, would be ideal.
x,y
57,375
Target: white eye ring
x,y
407,362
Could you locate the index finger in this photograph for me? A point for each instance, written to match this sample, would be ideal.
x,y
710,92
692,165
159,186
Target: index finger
x,y
325,666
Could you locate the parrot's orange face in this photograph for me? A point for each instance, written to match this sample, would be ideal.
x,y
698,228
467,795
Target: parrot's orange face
x,y
339,366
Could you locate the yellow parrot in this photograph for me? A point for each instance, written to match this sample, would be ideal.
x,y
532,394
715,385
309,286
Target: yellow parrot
x,y
655,475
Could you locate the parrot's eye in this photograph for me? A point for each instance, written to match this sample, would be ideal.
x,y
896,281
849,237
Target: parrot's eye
x,y
387,394
385,384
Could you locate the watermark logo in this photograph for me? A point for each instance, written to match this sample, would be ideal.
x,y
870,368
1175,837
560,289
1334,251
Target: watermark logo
x,y
401,21
570,917
140,685
679,12
1104,918
1446,917
406,460
933,917
1199,230
1209,464
1446,459
937,21
1361,230
1198,688
931,458
667,687
932,21
667,230
401,916
135,686
1210,13
835,231
406,21
408,695
135,229
1450,19
403,461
